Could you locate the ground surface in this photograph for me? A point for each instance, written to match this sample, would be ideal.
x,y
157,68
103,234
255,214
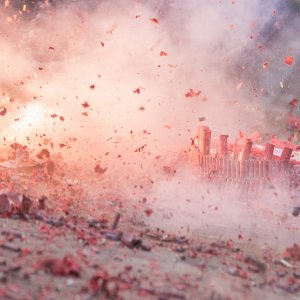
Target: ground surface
x,y
51,255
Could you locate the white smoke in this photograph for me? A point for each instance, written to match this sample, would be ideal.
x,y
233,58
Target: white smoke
x,y
106,82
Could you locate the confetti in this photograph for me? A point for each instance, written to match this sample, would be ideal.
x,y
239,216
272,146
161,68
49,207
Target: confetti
x,y
163,53
3,111
148,212
153,20
191,93
86,104
99,170
288,60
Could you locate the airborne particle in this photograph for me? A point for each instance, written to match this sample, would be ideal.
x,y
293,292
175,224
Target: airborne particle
x,y
288,60
153,20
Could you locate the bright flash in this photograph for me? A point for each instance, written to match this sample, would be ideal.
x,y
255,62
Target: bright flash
x,y
33,115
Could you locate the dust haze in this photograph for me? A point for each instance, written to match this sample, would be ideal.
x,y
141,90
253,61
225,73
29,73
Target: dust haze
x,y
106,82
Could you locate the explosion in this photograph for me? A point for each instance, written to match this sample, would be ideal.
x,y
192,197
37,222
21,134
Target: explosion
x,y
105,109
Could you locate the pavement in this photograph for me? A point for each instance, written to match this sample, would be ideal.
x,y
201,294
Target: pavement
x,y
51,255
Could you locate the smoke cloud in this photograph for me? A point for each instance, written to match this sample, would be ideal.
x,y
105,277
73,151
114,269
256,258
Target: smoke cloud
x,y
124,84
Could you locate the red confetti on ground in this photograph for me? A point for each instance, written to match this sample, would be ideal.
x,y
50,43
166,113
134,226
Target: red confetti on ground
x,y
5,205
98,280
163,53
288,60
294,103
92,86
62,267
137,91
25,251
265,65
293,252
